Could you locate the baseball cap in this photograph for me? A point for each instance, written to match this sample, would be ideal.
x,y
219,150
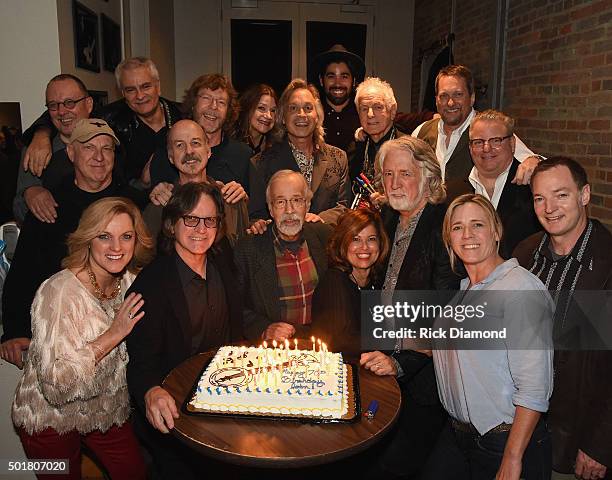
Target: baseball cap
x,y
88,128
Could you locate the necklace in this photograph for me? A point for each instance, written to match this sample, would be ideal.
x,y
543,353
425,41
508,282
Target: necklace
x,y
368,169
100,295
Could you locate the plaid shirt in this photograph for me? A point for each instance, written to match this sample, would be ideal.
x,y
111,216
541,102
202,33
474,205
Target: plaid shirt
x,y
297,279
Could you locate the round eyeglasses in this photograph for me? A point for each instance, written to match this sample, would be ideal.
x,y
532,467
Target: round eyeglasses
x,y
68,103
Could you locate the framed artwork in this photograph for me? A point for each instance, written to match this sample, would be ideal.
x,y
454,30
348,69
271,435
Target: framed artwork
x,y
100,98
86,43
111,43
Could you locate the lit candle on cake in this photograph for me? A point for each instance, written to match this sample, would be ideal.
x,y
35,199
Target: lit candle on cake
x,y
319,343
313,344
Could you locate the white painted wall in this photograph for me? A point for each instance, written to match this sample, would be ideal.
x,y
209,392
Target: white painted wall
x,y
161,25
197,40
29,49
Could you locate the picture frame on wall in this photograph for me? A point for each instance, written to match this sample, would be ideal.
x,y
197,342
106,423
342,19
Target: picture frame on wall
x,y
111,43
100,98
86,38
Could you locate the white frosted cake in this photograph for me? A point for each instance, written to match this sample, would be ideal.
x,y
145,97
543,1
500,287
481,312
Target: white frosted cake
x,y
278,382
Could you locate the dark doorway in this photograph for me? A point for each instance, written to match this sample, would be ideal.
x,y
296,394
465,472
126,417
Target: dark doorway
x,y
320,36
261,53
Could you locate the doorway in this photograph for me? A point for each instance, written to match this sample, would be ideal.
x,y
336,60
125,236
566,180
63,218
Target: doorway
x,y
291,34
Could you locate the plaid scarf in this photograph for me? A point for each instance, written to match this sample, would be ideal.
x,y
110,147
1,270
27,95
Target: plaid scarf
x,y
297,279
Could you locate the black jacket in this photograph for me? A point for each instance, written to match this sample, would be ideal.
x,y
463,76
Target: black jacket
x,y
426,266
515,209
124,123
161,340
41,248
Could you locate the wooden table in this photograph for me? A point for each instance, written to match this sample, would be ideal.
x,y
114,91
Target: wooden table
x,y
281,444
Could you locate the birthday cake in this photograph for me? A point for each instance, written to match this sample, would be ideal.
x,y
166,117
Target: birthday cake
x,y
273,381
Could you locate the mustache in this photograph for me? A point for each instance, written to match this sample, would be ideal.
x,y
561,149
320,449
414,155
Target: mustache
x,y
191,157
290,217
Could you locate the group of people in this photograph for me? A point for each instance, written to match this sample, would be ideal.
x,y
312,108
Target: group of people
x,y
152,231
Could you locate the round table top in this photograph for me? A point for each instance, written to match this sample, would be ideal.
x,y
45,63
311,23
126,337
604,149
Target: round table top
x,y
282,444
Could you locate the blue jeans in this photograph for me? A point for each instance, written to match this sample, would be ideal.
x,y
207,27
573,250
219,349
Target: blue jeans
x,y
466,456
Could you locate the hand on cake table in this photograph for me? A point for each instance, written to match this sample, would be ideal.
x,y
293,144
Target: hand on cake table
x,y
278,331
378,363
161,409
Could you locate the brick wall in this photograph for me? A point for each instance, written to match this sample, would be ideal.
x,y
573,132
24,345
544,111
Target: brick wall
x,y
558,85
558,74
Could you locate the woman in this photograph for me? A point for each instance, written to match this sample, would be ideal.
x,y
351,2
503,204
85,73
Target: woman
x,y
192,306
256,125
357,251
74,386
495,397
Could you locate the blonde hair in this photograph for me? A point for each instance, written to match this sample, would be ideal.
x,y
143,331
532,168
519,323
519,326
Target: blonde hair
x,y
318,135
494,116
490,213
93,221
425,159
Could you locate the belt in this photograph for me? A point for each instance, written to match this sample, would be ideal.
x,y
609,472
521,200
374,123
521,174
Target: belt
x,y
469,428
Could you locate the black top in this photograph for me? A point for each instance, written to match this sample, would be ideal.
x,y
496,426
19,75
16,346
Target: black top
x,y
229,161
41,248
206,304
336,312
340,126
138,140
161,340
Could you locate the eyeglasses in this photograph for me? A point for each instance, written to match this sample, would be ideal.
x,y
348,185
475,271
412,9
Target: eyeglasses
x,y
445,97
69,104
281,203
494,142
208,100
193,221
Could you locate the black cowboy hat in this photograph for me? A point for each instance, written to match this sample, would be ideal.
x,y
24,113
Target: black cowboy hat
x,y
338,53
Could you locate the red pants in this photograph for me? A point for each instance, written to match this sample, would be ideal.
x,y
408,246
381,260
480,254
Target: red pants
x,y
117,449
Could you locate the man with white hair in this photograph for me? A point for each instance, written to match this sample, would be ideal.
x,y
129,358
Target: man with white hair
x,y
141,120
418,261
280,268
377,107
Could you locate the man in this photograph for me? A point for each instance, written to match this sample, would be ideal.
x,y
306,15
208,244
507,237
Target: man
x,y
304,150
213,104
448,135
41,246
280,268
377,108
67,102
571,255
418,261
339,71
141,121
492,145
189,152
